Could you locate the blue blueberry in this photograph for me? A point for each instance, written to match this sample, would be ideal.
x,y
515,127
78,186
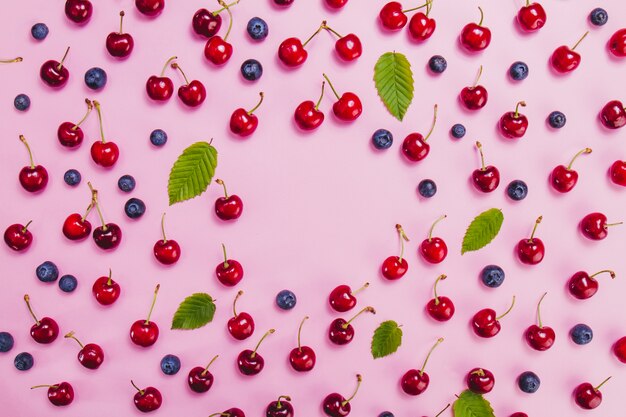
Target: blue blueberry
x,y
382,139
21,102
492,276
457,131
158,137
134,208
126,183
170,364
286,300
518,71
68,283
386,414
95,78
528,382
47,272
39,31
581,334
427,188
437,64
517,190
257,29
251,69
23,361
598,17
556,119
72,177
6,342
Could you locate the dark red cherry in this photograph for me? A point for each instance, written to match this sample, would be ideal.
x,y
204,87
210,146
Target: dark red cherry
x,y
474,97
44,331
582,285
241,325
434,249
160,88
70,134
414,147
280,408
613,115
480,381
78,11
415,382
587,396
540,337
33,178
206,23
440,308
151,8
249,361
145,333
341,331
485,178
60,394
564,178
90,355
475,37
486,324
394,267
199,379
148,399
343,299
302,358
54,73
18,237
120,44
336,405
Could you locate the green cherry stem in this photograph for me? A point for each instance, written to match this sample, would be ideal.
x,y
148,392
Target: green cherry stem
x,y
10,61
175,66
331,86
333,31
163,228
365,310
508,311
359,379
239,294
317,105
519,103
602,383
96,104
269,332
203,373
416,8
67,51
70,335
167,64
25,228
429,7
478,75
606,226
110,280
439,278
215,13
432,126
89,109
367,284
300,331
137,388
584,151
30,309
225,257
532,235
220,414
482,16
432,228
262,96
221,182
282,397
482,156
539,310
442,411
403,237
604,271
580,40
322,26
154,298
122,14
30,153
230,18
44,386
94,194
430,353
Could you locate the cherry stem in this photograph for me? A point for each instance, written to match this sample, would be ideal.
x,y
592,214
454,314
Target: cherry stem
x,y
322,26
30,153
163,227
284,397
580,40
230,17
210,363
333,31
612,224
225,257
110,280
154,298
439,278
432,228
70,335
175,65
67,51
269,332
45,386
30,309
367,284
300,331
480,73
602,383
262,96
432,126
99,110
317,105
482,16
220,182
239,294
519,103
416,8
167,64
331,85
365,310
527,3
612,273
121,20
359,379
442,411
508,311
10,61
482,156
215,13
402,237
429,7
220,414
539,310
479,372
532,235
430,353
584,151
89,109
25,228
95,201
136,387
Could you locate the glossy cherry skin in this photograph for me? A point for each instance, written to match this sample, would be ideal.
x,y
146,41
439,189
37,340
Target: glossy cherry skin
x,y
563,179
487,179
284,409
307,117
68,136
349,47
442,311
234,412
480,384
340,335
519,415
144,334
91,356
229,208
475,38
618,173
415,148
302,359
17,237
593,226
217,50
565,60
120,45
159,88
414,383
283,2
46,331
200,380
61,394
613,115
108,238
250,363
421,27
52,75
582,286
348,108
33,179
334,406
205,23
229,274
150,8
104,292
512,126
148,400
167,251
243,123
530,252
192,94
393,268
105,154
341,299
540,338
78,11
392,17
617,43
587,397
532,17
336,4
241,326
619,349
474,98
434,250
292,53
485,323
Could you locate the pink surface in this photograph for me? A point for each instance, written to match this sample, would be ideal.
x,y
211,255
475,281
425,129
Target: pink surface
x,y
320,211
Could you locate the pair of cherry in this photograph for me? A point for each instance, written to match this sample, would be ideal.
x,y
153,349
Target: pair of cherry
x,y
161,88
421,26
343,299
217,49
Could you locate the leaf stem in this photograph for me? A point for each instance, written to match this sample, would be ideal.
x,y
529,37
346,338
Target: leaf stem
x,y
480,73
167,63
482,16
230,18
121,21
482,156
63,59
284,397
175,66
602,383
10,61
604,271
367,284
442,411
137,388
519,103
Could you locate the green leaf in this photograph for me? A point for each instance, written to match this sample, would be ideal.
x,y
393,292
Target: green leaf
x,y
192,172
483,229
194,312
470,404
394,82
387,339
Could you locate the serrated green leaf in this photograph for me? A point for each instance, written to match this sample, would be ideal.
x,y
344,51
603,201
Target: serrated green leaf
x,y
192,172
394,82
470,404
194,312
482,230
387,339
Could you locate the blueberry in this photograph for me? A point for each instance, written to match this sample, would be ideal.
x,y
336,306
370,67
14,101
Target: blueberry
x,y
382,139
517,190
6,342
556,119
39,31
68,283
518,71
134,208
427,188
581,334
251,69
457,131
170,364
386,414
47,272
23,361
158,137
95,78
257,29
21,102
492,276
286,300
528,382
126,183
437,64
72,177
598,17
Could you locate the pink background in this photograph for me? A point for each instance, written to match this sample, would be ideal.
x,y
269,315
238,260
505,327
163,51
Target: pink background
x,y
320,211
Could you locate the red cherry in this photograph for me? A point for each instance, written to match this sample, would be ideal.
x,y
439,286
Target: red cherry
x,y
217,50
279,408
341,331
480,381
348,106
415,382
60,394
76,226
486,324
587,396
564,59
475,37
394,267
199,379
335,405
145,333
563,179
103,153
619,349
513,125
421,26
229,272
90,355
531,251
70,134
54,73
105,290
120,44
249,361
160,88
44,331
302,358
540,337
228,207
78,11
151,8
109,235
283,2
33,178
474,97
231,412
519,414
594,226
617,43
243,123
434,249
582,285
348,47
613,115
336,4
292,52
206,23
392,16
241,325
193,93
147,400
166,251
343,299
618,173
414,147
531,17
440,308
307,115
18,237
486,178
